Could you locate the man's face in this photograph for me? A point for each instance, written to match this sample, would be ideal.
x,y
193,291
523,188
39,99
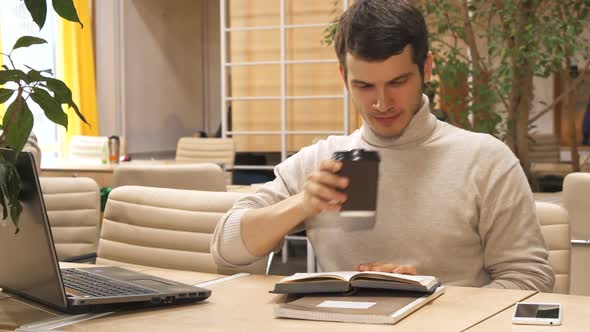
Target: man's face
x,y
387,94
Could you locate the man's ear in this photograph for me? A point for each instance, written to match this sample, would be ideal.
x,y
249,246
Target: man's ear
x,y
343,75
428,63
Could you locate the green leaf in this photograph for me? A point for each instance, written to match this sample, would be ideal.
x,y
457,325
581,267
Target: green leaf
x,y
17,124
10,187
16,209
38,11
80,115
3,172
35,75
12,75
27,41
13,190
13,183
67,10
50,106
63,95
5,94
3,202
48,71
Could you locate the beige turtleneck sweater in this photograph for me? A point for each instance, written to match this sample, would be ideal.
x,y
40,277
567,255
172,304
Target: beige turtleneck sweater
x,y
453,203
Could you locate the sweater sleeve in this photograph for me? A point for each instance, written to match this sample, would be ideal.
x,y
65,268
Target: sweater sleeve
x,y
515,254
227,245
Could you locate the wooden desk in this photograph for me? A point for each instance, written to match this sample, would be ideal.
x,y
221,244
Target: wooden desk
x,y
244,304
576,310
558,169
103,174
16,311
548,197
249,189
186,277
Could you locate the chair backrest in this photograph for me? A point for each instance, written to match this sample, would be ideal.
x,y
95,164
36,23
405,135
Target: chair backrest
x,y
73,208
165,228
32,146
212,150
87,148
206,176
90,148
556,231
544,149
576,200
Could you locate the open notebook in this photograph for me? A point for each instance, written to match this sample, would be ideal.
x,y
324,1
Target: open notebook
x,y
345,281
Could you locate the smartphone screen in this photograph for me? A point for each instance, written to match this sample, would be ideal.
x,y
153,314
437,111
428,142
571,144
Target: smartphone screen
x,y
530,310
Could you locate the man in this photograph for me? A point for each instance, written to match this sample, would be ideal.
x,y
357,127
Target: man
x,y
451,203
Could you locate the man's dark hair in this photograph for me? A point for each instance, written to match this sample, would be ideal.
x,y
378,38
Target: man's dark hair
x,y
374,30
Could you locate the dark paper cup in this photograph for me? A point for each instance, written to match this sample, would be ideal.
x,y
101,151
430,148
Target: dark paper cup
x,y
361,167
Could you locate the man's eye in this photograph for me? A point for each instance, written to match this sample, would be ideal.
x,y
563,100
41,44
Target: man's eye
x,y
364,87
398,83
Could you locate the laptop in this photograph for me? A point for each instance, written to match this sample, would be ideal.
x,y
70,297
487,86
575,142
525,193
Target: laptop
x,y
29,266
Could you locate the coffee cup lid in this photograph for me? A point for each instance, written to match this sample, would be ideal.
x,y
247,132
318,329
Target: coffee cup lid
x,y
356,155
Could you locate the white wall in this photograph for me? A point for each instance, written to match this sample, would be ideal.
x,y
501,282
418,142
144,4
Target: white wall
x,y
543,93
211,63
157,70
108,80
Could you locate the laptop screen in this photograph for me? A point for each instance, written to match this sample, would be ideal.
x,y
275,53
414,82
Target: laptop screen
x,y
28,262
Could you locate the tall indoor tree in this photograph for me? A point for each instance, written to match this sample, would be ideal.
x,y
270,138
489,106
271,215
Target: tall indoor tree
x,y
495,49
487,54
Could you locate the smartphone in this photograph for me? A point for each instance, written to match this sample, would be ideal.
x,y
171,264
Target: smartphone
x,y
537,313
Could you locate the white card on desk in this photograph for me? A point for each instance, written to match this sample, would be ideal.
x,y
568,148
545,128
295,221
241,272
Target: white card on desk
x,y
346,304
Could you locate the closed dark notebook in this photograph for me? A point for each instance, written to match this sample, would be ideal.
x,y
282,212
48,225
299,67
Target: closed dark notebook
x,y
366,306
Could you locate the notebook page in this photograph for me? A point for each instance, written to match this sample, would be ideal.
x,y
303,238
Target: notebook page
x,y
345,275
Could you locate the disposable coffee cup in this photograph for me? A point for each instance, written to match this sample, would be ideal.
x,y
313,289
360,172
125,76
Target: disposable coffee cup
x,y
361,167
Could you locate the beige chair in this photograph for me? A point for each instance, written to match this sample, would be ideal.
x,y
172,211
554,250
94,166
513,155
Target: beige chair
x,y
90,149
206,150
576,200
165,228
32,146
206,177
556,231
73,208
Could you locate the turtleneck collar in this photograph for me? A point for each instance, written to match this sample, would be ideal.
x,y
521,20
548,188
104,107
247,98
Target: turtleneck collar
x,y
418,130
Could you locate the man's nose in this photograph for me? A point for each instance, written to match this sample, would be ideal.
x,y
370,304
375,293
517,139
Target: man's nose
x,y
382,104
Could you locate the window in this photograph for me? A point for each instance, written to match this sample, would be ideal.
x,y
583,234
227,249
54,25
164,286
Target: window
x,y
15,22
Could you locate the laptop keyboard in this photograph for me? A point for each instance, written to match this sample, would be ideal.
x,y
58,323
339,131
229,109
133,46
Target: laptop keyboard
x,y
98,286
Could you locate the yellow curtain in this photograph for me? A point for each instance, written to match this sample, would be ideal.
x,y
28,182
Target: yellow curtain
x,y
75,66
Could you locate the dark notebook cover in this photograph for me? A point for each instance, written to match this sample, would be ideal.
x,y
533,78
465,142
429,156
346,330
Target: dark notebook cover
x,y
366,306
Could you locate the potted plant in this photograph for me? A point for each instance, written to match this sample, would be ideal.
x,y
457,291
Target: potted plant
x,y
19,88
